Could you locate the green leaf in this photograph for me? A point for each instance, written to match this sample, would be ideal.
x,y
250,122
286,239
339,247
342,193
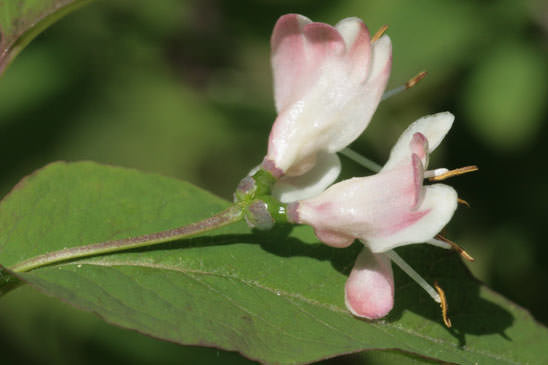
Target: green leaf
x,y
22,20
273,296
8,281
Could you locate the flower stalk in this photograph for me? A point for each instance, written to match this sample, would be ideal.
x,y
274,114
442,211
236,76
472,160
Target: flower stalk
x,y
228,216
253,203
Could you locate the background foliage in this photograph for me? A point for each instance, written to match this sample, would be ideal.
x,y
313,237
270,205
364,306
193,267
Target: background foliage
x,y
183,88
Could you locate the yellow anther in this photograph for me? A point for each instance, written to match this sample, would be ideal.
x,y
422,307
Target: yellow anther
x,y
456,247
379,33
455,172
443,304
463,202
413,81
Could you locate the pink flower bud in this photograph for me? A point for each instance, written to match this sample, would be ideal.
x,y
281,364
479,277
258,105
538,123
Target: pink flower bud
x,y
369,291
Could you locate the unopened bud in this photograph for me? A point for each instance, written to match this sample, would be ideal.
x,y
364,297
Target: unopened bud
x,y
246,189
258,216
251,186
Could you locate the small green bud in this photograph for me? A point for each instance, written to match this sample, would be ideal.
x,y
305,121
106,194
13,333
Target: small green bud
x,y
277,210
246,189
258,216
252,186
264,212
264,180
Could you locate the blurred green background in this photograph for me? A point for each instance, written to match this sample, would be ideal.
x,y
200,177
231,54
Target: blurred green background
x,y
183,88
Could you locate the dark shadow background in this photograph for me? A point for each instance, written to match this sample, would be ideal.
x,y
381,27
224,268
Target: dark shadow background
x,y
183,88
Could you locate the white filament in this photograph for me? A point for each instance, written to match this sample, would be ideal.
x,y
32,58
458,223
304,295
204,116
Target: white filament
x,y
413,274
439,243
434,173
359,159
394,91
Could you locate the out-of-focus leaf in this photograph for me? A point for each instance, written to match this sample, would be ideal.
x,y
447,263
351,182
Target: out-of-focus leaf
x,y
36,78
156,124
505,96
274,296
22,20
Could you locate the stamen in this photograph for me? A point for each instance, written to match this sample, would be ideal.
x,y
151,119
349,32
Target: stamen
x,y
379,33
393,92
455,172
434,173
443,305
414,80
456,247
409,84
463,202
360,160
439,243
413,274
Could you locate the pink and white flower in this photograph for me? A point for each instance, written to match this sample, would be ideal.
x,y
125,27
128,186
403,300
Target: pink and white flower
x,y
328,82
389,209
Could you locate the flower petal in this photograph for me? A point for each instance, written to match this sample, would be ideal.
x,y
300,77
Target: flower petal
x,y
360,104
357,41
436,210
288,57
334,239
418,178
419,146
386,210
324,173
329,97
381,60
365,206
434,127
323,43
369,291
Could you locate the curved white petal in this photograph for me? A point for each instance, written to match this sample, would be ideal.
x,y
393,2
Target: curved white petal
x,y
438,206
434,127
358,45
369,290
357,107
324,173
288,58
381,57
350,29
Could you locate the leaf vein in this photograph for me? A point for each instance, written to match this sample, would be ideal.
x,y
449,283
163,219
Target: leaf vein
x,y
109,262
